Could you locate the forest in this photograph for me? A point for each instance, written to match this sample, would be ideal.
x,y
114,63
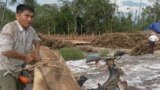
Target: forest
x,y
83,17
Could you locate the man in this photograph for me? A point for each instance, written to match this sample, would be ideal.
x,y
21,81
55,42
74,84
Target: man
x,y
152,40
17,40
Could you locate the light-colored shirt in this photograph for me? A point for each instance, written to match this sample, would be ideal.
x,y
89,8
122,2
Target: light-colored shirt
x,y
14,37
153,38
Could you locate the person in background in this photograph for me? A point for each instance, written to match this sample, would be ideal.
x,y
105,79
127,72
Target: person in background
x,y
152,41
17,40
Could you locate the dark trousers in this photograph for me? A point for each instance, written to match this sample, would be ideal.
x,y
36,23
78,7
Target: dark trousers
x,y
151,46
9,82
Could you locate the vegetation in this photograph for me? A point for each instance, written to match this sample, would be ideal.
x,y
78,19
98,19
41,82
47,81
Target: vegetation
x,y
71,53
84,17
104,53
6,16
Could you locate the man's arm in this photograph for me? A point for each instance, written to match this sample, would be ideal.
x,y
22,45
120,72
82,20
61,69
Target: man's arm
x,y
13,54
16,55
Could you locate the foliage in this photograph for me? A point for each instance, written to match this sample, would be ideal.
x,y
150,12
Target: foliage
x,y
71,53
150,14
104,53
8,16
44,21
85,17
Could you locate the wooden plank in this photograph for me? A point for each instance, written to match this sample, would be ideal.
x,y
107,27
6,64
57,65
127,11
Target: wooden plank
x,y
79,42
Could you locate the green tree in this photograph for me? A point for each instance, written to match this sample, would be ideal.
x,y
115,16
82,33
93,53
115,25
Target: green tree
x,y
7,15
150,14
98,16
45,18
66,18
3,13
85,17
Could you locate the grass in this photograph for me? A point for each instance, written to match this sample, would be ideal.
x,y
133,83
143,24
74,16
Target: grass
x,y
104,53
71,53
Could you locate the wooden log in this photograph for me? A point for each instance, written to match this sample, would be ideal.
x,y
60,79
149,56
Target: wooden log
x,y
54,75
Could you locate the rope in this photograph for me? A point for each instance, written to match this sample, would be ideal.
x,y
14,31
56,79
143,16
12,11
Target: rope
x,y
48,62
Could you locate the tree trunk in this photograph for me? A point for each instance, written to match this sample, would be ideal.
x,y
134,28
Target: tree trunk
x,y
81,29
48,26
2,19
68,28
54,29
75,27
155,14
139,10
55,75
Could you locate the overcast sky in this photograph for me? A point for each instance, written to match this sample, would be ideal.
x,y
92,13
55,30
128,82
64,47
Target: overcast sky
x,y
132,5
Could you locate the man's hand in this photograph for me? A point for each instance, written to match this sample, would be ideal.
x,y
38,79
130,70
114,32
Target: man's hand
x,y
28,58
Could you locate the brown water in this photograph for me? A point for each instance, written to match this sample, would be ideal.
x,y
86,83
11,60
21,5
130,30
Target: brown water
x,y
142,72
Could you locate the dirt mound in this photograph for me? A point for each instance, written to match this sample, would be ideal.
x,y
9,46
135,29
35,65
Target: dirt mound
x,y
119,40
61,41
138,42
70,37
141,48
135,41
54,43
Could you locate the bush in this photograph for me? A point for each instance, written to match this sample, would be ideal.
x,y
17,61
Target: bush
x,y
71,53
104,53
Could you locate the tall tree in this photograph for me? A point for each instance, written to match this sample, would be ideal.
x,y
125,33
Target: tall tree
x,y
98,16
45,19
3,13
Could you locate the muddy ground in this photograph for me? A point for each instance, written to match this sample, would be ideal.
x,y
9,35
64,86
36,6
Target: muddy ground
x,y
142,72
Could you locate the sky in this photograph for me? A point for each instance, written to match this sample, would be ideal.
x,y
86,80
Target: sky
x,y
132,5
124,5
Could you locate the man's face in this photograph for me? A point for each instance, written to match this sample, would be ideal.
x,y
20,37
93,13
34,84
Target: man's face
x,y
25,18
